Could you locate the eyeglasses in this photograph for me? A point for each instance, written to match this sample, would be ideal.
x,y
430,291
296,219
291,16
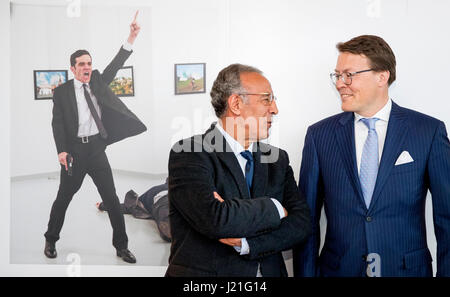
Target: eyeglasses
x,y
269,97
346,76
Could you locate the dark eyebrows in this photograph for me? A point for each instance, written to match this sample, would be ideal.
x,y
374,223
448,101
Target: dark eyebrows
x,y
83,63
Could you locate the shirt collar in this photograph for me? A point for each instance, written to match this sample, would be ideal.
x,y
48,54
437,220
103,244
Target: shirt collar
x,y
78,84
233,143
383,114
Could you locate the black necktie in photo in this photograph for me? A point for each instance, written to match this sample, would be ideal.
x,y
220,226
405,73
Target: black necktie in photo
x,y
94,113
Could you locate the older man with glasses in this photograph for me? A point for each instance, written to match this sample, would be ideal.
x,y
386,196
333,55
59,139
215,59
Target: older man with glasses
x,y
234,203
370,167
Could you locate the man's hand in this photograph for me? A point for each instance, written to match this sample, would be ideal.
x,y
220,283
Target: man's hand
x,y
217,196
134,29
231,241
62,158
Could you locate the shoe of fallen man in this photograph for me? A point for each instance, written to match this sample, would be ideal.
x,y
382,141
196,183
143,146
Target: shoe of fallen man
x,y
126,255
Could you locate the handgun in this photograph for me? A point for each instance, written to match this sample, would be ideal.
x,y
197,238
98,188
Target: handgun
x,y
69,160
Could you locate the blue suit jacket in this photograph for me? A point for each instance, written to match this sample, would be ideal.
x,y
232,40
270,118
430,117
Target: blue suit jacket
x,y
394,225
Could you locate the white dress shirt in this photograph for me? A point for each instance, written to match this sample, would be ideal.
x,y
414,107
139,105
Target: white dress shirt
x,y
361,131
86,122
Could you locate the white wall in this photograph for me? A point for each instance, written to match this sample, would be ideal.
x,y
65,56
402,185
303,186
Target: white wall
x,y
292,41
4,131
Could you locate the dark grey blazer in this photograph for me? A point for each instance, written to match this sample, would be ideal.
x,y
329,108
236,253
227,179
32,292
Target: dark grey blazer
x,y
198,220
118,120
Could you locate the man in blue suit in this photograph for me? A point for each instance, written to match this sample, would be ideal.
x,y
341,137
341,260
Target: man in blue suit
x,y
371,167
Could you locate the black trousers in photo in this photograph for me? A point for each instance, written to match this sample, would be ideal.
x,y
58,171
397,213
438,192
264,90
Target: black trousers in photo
x,y
88,158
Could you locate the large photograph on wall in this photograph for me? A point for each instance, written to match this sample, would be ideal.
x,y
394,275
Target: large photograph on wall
x,y
123,84
190,78
43,50
45,82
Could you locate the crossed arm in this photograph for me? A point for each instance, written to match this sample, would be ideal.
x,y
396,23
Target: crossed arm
x,y
191,192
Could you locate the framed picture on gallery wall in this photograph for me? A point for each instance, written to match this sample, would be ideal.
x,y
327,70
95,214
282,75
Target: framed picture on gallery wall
x,y
190,78
123,84
45,82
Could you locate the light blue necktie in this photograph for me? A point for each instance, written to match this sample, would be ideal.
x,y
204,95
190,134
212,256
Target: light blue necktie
x,y
369,161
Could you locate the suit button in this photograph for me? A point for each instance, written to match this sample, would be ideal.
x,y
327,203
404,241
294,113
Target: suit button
x,y
369,219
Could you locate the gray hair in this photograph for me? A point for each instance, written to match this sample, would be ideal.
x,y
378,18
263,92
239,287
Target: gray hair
x,y
228,82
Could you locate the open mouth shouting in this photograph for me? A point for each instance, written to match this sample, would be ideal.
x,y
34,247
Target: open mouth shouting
x,y
85,76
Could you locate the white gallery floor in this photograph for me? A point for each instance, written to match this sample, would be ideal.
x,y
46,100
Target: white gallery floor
x,y
87,233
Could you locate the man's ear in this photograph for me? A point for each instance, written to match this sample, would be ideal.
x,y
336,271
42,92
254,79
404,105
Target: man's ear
x,y
383,77
72,68
234,104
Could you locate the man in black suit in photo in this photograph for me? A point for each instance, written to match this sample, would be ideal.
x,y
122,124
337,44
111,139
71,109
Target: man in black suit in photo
x,y
88,116
234,203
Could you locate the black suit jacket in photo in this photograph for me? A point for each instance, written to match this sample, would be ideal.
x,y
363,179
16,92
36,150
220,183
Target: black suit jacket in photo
x,y
204,164
118,120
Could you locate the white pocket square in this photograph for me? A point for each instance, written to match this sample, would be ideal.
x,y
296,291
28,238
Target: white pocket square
x,y
404,158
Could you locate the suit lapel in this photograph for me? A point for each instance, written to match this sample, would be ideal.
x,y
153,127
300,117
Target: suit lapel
x,y
395,136
219,145
73,101
345,137
260,174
